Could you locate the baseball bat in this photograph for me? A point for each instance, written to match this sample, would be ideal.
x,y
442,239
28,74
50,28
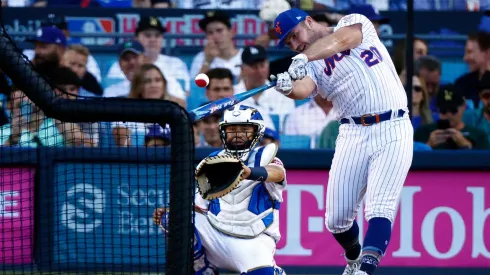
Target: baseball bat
x,y
225,103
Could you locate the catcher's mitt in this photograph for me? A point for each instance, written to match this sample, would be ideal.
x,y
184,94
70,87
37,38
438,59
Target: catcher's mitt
x,y
218,176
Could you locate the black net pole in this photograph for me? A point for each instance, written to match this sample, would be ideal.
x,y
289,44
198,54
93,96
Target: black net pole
x,y
409,54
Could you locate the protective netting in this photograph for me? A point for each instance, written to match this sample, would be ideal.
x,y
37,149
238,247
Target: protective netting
x,y
81,176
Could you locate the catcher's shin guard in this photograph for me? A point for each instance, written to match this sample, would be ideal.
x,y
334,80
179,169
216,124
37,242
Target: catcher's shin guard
x,y
201,264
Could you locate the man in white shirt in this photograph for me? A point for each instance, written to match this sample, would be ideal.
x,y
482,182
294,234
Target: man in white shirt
x,y
255,71
131,57
150,34
60,23
220,51
310,118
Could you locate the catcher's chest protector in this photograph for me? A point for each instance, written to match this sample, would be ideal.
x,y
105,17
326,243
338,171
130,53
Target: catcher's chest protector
x,y
248,210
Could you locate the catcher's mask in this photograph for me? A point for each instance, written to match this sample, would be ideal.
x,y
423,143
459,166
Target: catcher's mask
x,y
237,140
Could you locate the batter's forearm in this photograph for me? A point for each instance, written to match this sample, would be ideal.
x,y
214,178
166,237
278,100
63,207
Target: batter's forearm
x,y
302,88
345,38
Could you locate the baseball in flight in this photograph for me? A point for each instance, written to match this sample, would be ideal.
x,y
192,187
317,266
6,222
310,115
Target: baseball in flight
x,y
202,80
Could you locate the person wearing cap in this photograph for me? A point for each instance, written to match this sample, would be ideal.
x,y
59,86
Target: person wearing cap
x,y
477,57
157,136
61,23
350,66
255,73
49,47
131,57
220,51
149,33
480,117
450,132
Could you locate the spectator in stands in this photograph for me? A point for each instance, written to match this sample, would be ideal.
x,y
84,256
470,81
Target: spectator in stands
x,y
157,136
161,4
420,48
150,83
149,33
310,118
141,4
131,57
270,136
221,86
147,83
477,56
209,129
22,120
60,23
429,69
255,72
78,134
480,117
75,58
49,48
450,132
220,51
421,113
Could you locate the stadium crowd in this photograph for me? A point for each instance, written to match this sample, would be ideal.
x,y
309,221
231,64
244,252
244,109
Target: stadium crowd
x,y
381,5
450,116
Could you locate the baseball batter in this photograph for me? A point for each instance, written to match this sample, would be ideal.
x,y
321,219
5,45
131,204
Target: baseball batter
x,y
349,66
240,230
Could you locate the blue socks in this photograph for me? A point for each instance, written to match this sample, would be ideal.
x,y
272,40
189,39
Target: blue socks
x,y
349,240
375,243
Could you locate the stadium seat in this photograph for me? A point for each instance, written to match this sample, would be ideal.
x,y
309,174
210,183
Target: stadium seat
x,y
295,142
419,146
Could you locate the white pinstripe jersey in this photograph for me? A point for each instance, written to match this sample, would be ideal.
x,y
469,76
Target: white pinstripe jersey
x,y
362,80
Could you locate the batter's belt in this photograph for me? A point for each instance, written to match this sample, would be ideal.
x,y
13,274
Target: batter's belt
x,y
370,119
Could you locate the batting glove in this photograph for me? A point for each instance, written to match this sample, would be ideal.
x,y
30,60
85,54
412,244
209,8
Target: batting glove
x,y
284,83
297,69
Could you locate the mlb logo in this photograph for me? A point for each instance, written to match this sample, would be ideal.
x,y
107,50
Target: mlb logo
x,y
92,25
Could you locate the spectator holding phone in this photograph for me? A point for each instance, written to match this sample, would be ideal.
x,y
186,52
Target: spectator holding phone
x,y
450,132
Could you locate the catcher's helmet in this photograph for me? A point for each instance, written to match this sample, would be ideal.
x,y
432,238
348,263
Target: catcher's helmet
x,y
241,115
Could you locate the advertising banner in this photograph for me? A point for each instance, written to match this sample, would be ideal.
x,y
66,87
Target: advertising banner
x,y
245,22
443,220
16,215
103,214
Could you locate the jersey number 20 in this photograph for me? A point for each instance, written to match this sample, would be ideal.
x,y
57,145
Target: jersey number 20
x,y
371,57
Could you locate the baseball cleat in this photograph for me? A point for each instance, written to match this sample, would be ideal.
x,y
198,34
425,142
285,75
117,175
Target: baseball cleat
x,y
360,272
353,266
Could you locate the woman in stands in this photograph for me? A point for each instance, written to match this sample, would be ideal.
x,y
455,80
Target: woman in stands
x,y
147,83
421,113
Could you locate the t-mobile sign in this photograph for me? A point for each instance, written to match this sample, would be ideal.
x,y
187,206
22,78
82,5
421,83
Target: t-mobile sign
x,y
443,220
16,215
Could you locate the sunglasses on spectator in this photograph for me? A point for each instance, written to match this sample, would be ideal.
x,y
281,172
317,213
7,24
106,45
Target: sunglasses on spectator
x,y
448,110
418,89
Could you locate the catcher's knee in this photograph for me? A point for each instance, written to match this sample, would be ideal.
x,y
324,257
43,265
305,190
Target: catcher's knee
x,y
201,264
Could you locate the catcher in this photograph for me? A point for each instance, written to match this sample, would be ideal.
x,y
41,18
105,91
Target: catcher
x,y
237,204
